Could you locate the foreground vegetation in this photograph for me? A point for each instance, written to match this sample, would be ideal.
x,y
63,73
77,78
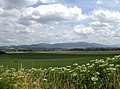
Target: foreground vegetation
x,y
96,74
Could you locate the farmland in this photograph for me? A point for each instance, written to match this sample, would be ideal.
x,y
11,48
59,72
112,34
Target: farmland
x,y
52,58
88,71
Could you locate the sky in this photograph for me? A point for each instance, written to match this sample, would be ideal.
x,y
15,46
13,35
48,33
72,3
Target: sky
x,y
24,22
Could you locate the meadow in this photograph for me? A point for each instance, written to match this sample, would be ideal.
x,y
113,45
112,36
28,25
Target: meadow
x,y
91,71
47,59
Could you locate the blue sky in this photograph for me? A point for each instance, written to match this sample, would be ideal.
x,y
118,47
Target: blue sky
x,y
57,21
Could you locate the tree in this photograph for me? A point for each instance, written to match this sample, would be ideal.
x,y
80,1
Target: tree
x,y
2,52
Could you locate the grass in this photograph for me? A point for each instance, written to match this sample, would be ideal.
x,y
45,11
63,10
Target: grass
x,y
96,74
53,58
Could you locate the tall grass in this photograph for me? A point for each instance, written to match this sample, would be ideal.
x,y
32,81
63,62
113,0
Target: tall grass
x,y
97,74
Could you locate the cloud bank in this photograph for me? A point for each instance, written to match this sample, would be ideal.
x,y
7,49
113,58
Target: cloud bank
x,y
21,22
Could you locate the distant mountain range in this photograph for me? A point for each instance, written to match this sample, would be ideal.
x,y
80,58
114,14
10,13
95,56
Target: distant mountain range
x,y
43,46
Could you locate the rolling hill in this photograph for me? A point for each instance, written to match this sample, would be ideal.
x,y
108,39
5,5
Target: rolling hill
x,y
44,46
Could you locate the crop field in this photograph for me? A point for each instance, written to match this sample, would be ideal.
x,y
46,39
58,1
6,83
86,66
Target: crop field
x,y
52,58
91,71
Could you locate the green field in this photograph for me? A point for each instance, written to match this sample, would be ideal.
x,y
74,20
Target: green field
x,y
48,59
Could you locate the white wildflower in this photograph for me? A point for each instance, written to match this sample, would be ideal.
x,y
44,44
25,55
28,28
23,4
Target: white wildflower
x,y
117,66
111,65
34,83
44,79
94,78
75,64
88,64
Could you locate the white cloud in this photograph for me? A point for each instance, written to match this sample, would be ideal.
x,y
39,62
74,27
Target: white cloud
x,y
99,2
83,30
117,33
117,1
105,22
10,4
108,4
106,16
97,25
53,12
106,33
31,25
10,13
47,1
